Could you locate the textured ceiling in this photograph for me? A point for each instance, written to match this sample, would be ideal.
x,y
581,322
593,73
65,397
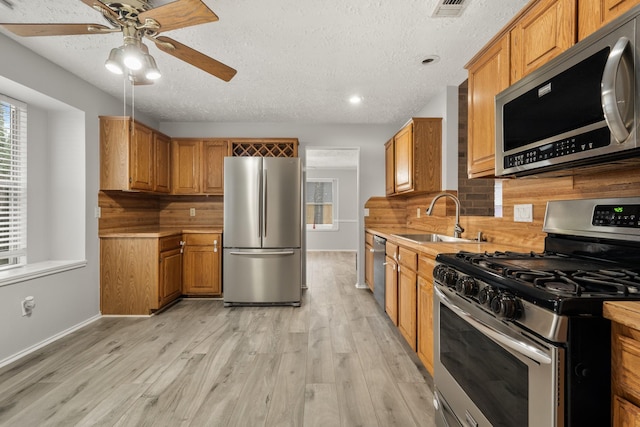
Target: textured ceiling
x,y
297,60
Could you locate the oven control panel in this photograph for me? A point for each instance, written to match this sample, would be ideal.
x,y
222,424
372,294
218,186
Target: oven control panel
x,y
616,216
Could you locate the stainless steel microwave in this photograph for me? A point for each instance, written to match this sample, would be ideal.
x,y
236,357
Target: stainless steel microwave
x,y
579,109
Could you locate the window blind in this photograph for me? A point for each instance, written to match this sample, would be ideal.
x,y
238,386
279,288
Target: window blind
x,y
13,182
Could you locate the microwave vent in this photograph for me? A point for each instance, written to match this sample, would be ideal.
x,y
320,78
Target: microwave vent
x,y
449,8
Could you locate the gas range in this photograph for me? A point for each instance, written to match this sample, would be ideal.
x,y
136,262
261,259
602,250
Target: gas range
x,y
533,320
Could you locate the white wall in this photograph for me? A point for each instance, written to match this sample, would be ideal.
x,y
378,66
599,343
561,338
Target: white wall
x,y
445,105
71,298
345,238
369,138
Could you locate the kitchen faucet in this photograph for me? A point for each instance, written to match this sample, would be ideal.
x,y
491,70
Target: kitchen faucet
x,y
457,229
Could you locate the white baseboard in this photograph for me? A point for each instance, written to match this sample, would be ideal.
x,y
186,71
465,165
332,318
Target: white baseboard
x,y
49,340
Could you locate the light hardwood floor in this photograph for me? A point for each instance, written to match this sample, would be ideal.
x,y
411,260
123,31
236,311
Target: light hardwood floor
x,y
335,361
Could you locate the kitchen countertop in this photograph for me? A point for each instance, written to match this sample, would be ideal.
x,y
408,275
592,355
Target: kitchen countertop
x,y
624,312
156,232
432,249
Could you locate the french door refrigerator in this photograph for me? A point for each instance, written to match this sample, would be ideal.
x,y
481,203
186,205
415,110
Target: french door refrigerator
x,y
263,252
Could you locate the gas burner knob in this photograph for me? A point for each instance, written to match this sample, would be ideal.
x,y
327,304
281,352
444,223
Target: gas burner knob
x,y
450,278
438,272
467,285
506,306
486,294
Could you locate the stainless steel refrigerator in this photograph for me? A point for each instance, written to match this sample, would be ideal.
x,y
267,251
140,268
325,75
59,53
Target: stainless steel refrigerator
x,y
263,254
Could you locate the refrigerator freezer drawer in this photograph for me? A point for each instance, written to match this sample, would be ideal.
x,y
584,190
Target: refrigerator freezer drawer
x,y
261,276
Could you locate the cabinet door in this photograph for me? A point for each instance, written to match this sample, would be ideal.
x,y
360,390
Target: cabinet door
x,y
593,14
162,176
391,289
389,168
407,282
185,166
403,152
202,269
625,414
425,312
488,76
542,34
170,283
213,153
141,157
368,260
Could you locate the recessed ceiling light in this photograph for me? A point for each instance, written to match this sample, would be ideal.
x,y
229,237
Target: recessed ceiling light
x,y
431,59
355,99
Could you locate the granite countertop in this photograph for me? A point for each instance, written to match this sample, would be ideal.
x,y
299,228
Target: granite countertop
x,y
623,312
433,249
156,232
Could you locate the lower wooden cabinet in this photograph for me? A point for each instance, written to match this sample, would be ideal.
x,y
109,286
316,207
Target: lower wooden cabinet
x,y
368,260
391,282
407,295
625,362
139,275
625,414
425,312
201,264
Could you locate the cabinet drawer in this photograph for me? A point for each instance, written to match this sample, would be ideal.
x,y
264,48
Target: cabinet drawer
x,y
425,267
202,239
408,258
391,250
368,239
170,242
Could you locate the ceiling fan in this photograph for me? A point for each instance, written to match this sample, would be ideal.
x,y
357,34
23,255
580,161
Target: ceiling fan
x,y
138,20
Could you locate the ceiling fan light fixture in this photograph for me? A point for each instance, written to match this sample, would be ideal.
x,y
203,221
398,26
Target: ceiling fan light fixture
x,y
151,70
114,62
132,57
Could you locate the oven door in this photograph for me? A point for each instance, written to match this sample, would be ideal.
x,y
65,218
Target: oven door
x,y
487,373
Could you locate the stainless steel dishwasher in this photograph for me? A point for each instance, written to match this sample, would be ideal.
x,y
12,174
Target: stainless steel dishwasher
x,y
379,245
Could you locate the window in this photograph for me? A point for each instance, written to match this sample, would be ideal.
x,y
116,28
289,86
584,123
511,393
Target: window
x,y
321,201
13,182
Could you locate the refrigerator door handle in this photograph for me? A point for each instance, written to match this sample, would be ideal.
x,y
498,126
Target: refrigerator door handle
x,y
262,253
264,202
259,206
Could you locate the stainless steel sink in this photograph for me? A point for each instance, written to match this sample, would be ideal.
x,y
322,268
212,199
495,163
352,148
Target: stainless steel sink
x,y
432,238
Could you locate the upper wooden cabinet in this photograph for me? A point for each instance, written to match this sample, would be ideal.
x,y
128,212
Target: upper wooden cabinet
x,y
132,156
389,160
162,160
416,161
541,34
488,75
593,14
541,31
197,166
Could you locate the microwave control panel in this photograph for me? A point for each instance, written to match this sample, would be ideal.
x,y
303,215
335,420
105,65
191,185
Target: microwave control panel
x,y
564,147
616,216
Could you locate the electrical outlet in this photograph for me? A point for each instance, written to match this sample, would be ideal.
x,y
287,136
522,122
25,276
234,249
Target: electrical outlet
x,y
97,212
28,304
523,213
192,212
417,212
366,211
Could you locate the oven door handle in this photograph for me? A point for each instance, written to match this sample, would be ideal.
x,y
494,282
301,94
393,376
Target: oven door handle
x,y
515,345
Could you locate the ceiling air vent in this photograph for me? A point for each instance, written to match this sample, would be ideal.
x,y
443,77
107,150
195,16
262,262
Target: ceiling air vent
x,y
449,8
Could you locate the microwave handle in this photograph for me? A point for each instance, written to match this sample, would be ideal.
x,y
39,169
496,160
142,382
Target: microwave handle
x,y
608,91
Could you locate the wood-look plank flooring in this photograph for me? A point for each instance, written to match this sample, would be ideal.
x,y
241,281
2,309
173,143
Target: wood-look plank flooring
x,y
335,361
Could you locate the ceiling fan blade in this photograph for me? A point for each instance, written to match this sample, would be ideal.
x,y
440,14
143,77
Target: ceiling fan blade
x,y
179,14
195,58
35,30
98,5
